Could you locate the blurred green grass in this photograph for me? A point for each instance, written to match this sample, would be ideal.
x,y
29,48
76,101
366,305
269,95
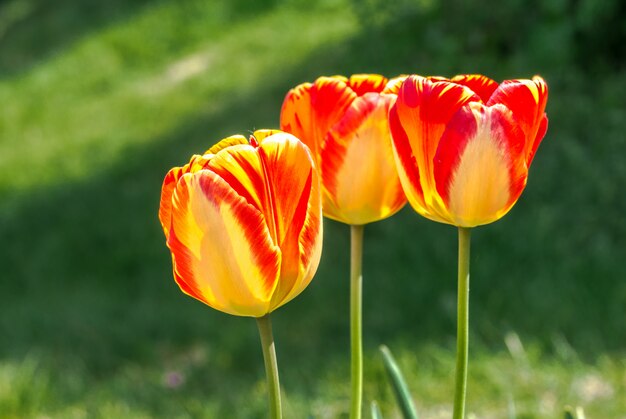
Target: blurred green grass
x,y
99,100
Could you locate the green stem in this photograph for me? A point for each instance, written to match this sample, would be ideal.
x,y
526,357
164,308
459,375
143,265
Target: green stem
x,y
271,366
356,333
462,338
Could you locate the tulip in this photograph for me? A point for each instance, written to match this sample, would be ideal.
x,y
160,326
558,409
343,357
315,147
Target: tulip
x,y
344,122
243,224
463,148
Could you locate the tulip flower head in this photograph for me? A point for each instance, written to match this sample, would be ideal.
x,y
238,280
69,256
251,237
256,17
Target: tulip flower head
x,y
344,122
464,145
243,223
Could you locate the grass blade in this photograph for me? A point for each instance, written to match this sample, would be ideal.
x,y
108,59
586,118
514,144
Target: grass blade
x,y
399,385
376,413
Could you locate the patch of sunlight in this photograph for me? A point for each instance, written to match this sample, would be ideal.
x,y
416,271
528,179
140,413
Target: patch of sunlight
x,y
76,114
188,67
591,387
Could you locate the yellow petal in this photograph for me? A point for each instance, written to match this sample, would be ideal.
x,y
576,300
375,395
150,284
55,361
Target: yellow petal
x,y
359,174
227,142
481,168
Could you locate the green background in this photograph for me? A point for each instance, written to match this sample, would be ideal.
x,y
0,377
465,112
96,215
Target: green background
x,y
99,99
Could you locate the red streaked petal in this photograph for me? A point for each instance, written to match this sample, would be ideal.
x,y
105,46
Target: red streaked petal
x,y
483,86
310,110
267,176
461,129
188,288
541,132
406,163
424,107
293,268
277,178
330,98
366,83
222,248
240,167
296,114
480,167
165,207
286,164
309,239
294,189
169,183
527,100
358,168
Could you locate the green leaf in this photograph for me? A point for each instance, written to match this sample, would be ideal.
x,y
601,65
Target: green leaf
x,y
376,413
574,413
398,384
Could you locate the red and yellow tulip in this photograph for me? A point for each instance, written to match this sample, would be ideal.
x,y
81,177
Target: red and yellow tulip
x,y
243,223
344,122
464,145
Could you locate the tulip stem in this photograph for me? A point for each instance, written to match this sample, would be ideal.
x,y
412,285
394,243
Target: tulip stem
x,y
462,339
271,366
356,332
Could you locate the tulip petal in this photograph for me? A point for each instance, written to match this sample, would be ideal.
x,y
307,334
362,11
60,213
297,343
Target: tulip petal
x,y
309,239
227,142
165,207
406,163
483,86
394,84
277,178
221,245
366,83
240,167
423,108
261,134
292,184
541,132
169,183
296,114
310,110
480,167
287,167
527,100
247,170
358,169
